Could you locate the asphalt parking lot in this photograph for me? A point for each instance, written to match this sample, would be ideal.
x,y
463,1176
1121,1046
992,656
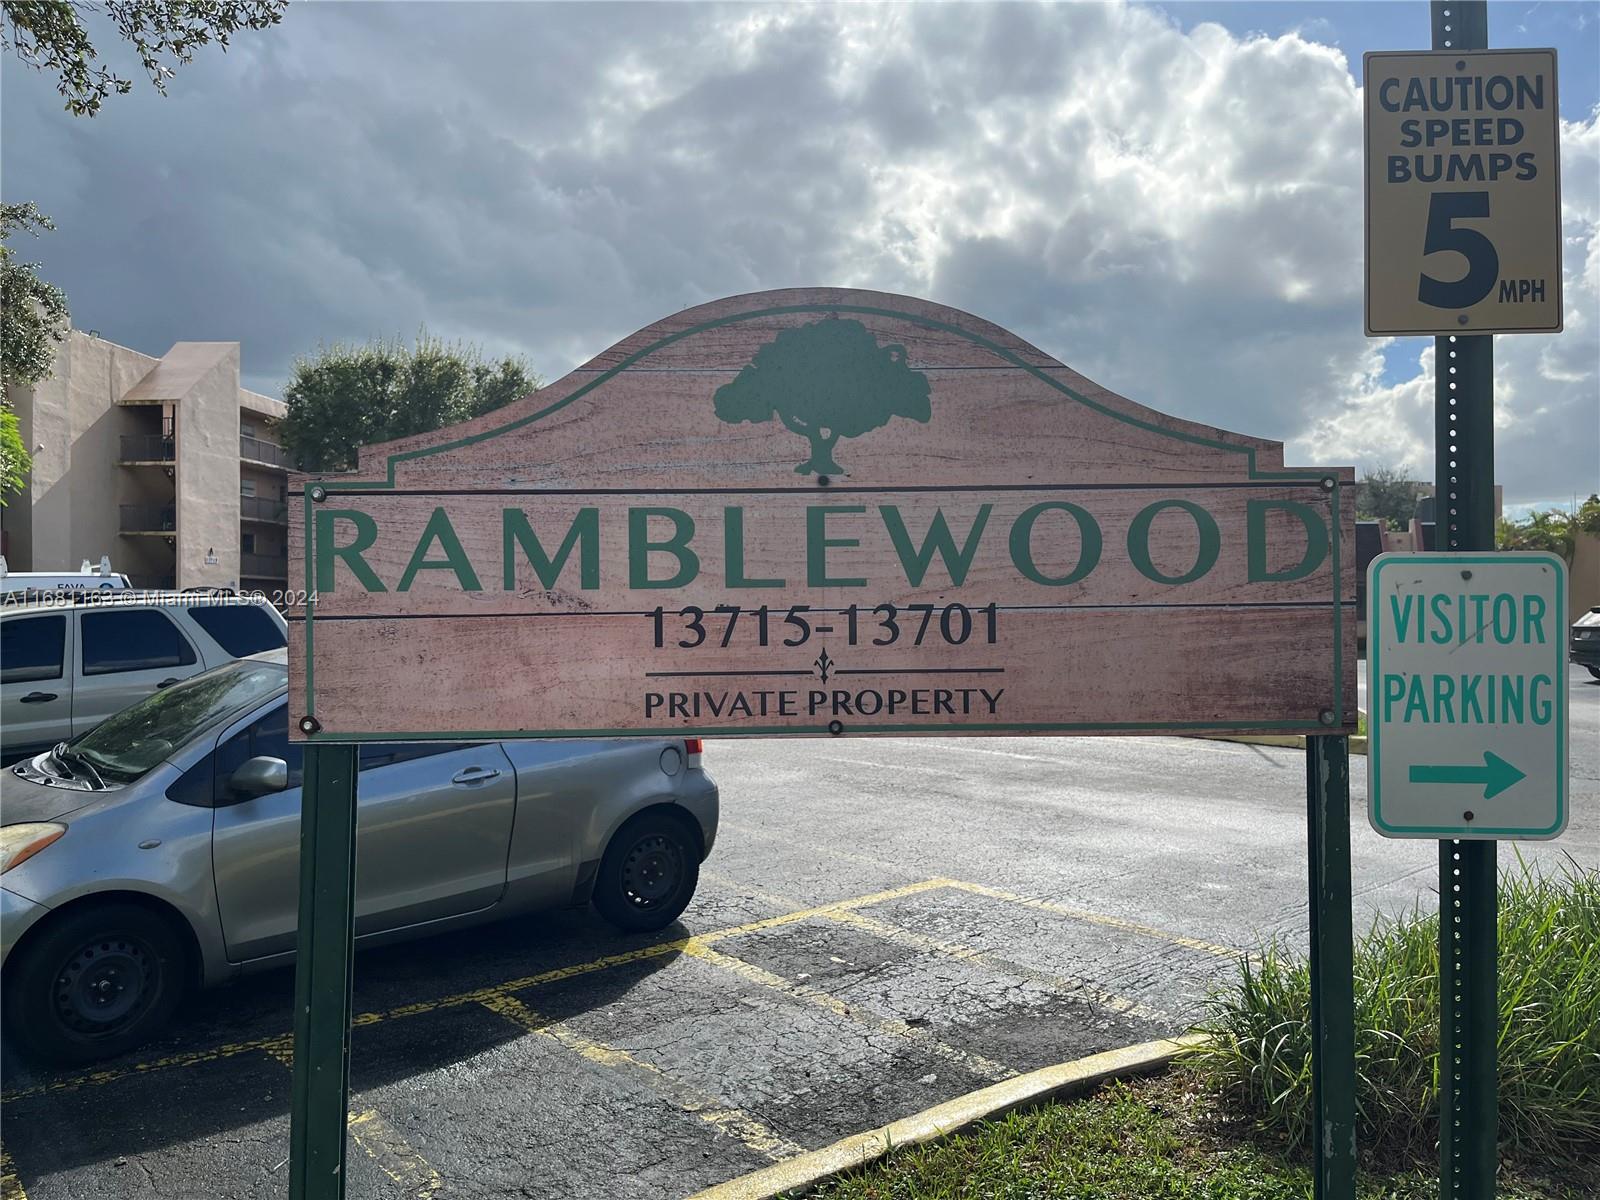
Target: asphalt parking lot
x,y
884,924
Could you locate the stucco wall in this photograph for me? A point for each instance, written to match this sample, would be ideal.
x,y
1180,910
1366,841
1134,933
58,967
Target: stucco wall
x,y
70,509
208,476
73,426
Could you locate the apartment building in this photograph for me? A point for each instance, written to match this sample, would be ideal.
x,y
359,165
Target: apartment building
x,y
165,464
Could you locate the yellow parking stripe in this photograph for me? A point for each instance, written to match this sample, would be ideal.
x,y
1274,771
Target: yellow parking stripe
x,y
978,889
727,1119
273,1044
394,1155
900,935
1094,918
976,1063
10,1186
113,1074
384,1144
1057,983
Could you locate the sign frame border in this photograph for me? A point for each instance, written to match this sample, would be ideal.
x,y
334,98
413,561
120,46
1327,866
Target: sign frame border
x,y
1325,479
1374,739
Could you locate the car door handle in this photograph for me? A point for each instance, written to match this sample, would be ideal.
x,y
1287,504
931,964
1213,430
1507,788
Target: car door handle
x,y
166,683
38,697
473,775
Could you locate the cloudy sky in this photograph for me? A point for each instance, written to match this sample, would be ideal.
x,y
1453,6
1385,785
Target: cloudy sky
x,y
1165,197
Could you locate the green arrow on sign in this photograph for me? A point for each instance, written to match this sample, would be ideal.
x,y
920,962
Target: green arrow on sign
x,y
1496,775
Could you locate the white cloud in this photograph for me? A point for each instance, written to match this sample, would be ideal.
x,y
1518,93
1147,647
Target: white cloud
x,y
1547,387
1177,215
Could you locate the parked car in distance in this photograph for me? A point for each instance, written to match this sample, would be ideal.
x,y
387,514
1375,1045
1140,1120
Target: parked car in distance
x,y
1585,643
160,851
69,661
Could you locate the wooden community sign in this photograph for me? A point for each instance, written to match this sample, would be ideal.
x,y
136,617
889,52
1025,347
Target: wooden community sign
x,y
822,511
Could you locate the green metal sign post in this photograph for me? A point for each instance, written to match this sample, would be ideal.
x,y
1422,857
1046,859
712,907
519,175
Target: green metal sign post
x,y
1468,937
325,946
1333,1048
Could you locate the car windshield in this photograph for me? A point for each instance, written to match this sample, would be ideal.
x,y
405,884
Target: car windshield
x,y
128,744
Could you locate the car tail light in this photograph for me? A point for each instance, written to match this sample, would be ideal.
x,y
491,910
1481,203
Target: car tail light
x,y
692,749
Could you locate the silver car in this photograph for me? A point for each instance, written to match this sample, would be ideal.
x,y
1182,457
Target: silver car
x,y
160,851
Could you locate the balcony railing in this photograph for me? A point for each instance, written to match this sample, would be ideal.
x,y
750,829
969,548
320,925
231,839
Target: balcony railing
x,y
263,508
259,451
149,518
264,566
147,447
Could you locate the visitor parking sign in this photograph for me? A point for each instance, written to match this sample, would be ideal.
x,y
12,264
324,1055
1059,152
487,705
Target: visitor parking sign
x,y
1467,695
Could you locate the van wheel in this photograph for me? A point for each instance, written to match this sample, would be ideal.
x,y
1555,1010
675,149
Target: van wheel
x,y
93,983
648,873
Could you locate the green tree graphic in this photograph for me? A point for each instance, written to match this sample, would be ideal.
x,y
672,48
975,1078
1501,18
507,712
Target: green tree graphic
x,y
825,381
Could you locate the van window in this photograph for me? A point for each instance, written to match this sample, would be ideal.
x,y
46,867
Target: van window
x,y
31,648
240,629
132,639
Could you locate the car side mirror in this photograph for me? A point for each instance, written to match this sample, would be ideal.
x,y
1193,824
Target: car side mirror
x,y
260,776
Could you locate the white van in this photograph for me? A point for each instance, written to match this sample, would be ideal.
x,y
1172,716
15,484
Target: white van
x,y
70,660
87,576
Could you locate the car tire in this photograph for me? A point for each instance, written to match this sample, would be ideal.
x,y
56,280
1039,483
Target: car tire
x,y
95,982
1595,671
648,873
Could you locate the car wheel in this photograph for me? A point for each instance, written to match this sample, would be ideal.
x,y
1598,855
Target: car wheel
x,y
648,873
1595,671
93,983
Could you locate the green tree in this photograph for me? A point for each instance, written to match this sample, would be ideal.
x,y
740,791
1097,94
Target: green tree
x,y
825,381
1588,518
349,396
48,35
33,317
1553,531
1386,494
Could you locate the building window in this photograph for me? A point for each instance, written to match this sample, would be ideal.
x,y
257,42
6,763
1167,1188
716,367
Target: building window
x,y
247,487
247,429
247,542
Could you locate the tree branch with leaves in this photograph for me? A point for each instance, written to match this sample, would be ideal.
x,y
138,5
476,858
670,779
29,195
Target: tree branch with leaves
x,y
33,318
50,35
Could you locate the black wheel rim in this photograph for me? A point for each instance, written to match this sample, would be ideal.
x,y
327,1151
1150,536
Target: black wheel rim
x,y
106,986
651,871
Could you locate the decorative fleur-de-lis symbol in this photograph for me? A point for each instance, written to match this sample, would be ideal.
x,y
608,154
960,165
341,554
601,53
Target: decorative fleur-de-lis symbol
x,y
824,664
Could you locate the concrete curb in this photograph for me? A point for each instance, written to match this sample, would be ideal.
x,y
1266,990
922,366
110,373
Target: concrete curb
x,y
799,1175
1358,745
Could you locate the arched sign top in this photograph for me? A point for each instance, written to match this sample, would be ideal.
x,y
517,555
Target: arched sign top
x,y
736,381
822,511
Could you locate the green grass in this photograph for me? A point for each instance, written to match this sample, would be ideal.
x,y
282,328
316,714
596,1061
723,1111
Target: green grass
x,y
1549,1042
1160,1139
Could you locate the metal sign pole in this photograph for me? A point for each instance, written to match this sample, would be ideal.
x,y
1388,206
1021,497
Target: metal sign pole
x,y
322,974
1464,517
1333,1054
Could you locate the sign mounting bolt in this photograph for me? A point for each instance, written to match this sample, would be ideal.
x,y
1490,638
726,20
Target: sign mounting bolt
x,y
309,724
1467,816
836,727
1327,482
1326,716
319,493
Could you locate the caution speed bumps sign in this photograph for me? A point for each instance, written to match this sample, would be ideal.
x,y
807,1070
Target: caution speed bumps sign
x,y
1467,695
1463,192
